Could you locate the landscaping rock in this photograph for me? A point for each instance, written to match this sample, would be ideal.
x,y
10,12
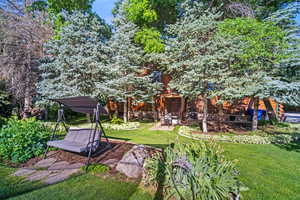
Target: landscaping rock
x,y
24,172
61,176
59,166
132,162
111,163
45,163
75,166
38,175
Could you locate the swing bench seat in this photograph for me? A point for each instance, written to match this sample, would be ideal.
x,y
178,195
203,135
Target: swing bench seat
x,y
78,140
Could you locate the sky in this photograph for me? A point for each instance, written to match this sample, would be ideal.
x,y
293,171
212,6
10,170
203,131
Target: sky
x,y
104,7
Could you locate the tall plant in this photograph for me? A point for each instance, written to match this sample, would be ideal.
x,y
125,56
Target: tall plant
x,y
194,171
197,57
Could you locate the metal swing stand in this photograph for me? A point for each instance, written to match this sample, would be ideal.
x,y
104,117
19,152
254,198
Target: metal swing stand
x,y
60,119
98,127
87,141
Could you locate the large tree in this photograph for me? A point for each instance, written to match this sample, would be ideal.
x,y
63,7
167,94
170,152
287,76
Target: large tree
x,y
76,63
247,8
257,69
23,35
129,82
286,19
197,57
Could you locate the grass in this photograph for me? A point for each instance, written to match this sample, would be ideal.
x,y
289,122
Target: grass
x,y
88,187
12,186
270,172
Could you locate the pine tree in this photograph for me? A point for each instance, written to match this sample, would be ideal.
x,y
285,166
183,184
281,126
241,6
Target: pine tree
x,y
198,58
286,19
129,80
77,63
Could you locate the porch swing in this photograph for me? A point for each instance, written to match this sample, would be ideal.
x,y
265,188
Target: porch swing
x,y
80,140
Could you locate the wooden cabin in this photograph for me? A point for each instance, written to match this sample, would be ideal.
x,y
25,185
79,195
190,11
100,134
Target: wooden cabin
x,y
169,104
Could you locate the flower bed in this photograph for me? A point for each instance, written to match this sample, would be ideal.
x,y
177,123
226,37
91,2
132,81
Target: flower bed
x,y
242,139
123,126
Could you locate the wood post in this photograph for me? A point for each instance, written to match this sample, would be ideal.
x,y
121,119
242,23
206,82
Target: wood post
x,y
205,111
255,114
125,115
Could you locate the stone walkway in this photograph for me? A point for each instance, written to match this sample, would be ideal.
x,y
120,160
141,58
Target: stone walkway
x,y
49,171
159,127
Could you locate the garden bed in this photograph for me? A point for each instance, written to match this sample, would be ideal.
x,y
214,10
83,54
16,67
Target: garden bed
x,y
189,132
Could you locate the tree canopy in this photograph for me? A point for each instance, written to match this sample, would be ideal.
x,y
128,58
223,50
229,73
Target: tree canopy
x,y
76,63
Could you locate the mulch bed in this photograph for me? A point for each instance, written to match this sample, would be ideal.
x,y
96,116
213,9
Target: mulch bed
x,y
119,148
116,152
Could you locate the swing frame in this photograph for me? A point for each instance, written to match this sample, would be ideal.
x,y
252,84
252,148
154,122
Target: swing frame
x,y
96,125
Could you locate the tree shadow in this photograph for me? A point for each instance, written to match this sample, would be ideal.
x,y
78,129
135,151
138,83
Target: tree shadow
x,y
293,145
160,177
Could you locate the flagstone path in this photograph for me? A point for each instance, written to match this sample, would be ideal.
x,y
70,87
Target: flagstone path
x,y
49,171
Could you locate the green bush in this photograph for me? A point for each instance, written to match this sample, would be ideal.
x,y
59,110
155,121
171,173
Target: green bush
x,y
194,171
116,120
21,140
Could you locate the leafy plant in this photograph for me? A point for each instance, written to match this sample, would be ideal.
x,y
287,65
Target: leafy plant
x,y
194,171
150,38
21,140
95,168
116,120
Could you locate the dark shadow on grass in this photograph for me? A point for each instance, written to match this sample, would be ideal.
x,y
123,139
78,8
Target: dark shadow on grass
x,y
292,146
31,189
160,177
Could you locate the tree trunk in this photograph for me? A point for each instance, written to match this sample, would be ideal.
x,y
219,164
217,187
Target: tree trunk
x,y
221,115
27,103
255,114
270,111
154,111
205,112
125,115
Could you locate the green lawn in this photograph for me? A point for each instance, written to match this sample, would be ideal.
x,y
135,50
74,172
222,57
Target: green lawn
x,y
85,186
270,172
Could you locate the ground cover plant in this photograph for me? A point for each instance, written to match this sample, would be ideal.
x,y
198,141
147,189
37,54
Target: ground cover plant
x,y
257,137
21,140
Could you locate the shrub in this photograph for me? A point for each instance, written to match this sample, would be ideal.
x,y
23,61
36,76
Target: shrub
x,y
194,171
95,168
21,140
116,120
